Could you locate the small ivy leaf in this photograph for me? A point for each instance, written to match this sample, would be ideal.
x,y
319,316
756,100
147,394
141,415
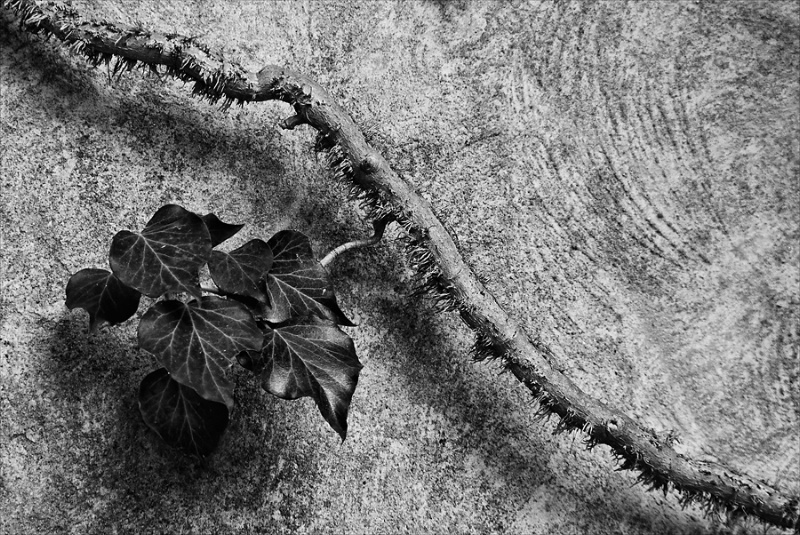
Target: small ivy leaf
x,y
179,415
311,356
165,256
297,284
198,345
103,296
218,230
241,271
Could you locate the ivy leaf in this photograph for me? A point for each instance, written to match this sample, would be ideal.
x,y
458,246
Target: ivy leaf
x,y
103,296
179,415
242,271
198,344
165,256
218,230
311,356
297,284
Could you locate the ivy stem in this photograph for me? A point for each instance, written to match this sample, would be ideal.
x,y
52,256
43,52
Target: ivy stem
x,y
379,225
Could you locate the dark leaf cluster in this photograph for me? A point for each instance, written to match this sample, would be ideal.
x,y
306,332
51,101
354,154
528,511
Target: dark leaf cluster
x,y
273,312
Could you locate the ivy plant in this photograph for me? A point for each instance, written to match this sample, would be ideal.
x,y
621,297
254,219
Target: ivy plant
x,y
272,310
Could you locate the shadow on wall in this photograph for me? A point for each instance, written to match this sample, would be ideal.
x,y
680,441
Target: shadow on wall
x,y
135,476
173,140
428,359
141,479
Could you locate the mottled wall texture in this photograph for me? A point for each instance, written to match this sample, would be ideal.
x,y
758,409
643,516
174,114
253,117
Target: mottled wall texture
x,y
623,174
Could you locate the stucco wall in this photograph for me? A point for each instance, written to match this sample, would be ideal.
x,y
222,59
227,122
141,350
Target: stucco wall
x,y
624,175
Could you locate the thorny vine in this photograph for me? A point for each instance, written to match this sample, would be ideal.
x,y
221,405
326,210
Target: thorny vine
x,y
443,273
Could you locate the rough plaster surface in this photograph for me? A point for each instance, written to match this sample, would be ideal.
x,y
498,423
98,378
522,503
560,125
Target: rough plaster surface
x,y
624,175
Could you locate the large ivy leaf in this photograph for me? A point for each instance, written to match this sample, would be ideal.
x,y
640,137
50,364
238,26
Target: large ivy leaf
x,y
102,295
242,271
218,230
165,256
297,284
310,356
198,344
179,415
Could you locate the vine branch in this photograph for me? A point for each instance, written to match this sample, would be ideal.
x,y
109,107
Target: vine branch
x,y
443,272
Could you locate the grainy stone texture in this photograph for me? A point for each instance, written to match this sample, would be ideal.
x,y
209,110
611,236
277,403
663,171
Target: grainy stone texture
x,y
623,174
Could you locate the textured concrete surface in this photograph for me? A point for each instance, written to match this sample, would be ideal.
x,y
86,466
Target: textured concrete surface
x,y
623,174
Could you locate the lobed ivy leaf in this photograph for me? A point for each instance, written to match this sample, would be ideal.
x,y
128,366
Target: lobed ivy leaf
x,y
179,415
100,293
297,284
242,271
198,342
218,230
310,356
165,256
